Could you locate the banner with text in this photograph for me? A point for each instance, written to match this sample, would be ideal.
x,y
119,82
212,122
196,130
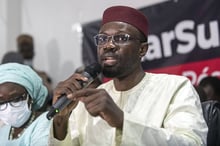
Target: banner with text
x,y
183,39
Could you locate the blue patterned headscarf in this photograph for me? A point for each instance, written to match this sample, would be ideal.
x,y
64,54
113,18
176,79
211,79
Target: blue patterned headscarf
x,y
26,77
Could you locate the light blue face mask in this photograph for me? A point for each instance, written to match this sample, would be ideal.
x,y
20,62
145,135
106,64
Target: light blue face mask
x,y
16,116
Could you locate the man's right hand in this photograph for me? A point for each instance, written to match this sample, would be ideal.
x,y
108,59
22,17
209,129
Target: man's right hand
x,y
67,87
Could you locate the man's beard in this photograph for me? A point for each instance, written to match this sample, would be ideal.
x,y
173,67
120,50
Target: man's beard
x,y
111,72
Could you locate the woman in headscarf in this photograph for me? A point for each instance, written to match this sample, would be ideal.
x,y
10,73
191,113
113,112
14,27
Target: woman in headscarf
x,y
22,93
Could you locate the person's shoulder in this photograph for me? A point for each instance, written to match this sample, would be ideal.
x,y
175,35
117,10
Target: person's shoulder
x,y
42,118
37,133
39,124
163,77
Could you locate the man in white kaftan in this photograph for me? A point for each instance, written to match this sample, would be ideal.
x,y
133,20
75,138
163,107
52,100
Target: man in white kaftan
x,y
134,108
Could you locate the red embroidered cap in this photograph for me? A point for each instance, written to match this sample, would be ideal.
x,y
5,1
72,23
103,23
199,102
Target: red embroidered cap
x,y
128,15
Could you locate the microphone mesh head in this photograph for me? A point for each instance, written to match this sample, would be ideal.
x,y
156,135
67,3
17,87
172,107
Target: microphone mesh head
x,y
93,69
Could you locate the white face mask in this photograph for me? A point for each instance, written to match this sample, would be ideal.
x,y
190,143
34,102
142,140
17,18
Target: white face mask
x,y
16,116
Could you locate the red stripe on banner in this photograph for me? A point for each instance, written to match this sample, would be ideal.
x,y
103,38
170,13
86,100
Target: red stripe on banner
x,y
194,71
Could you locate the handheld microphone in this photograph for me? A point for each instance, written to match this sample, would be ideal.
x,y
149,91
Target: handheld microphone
x,y
91,72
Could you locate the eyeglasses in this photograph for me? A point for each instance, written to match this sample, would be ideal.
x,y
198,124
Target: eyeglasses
x,y
14,102
118,39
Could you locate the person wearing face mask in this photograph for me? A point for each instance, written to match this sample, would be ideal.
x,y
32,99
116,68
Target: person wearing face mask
x,y
22,93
